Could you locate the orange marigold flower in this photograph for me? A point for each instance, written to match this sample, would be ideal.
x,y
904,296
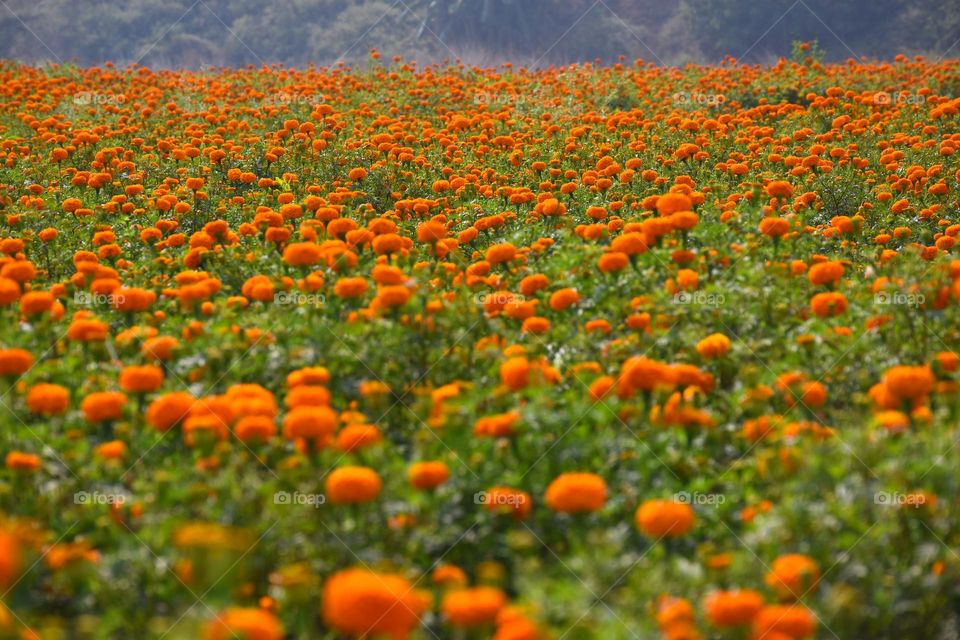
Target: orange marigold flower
x,y
500,253
302,254
258,288
500,425
564,299
350,287
48,399
830,303
431,231
36,302
20,461
642,373
159,347
133,299
779,189
308,375
255,428
793,621
88,330
247,623
793,575
671,203
732,608
535,324
909,383
665,518
713,346
168,410
310,422
11,561
515,373
684,220
428,475
630,244
354,437
473,607
15,362
448,574
103,406
600,387
825,272
9,291
387,243
141,379
352,485
362,603
576,493
387,274
393,296
774,227
111,450
22,271
672,611
687,279
552,207
613,261
948,361
308,395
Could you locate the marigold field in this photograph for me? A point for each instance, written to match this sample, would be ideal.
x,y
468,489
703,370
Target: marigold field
x,y
396,352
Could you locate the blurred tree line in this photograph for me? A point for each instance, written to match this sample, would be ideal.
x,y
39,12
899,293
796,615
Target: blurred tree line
x,y
194,33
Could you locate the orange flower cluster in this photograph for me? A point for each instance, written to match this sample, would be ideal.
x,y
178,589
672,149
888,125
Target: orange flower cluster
x,y
418,356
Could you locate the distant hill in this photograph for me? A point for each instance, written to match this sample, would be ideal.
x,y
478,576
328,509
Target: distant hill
x,y
194,33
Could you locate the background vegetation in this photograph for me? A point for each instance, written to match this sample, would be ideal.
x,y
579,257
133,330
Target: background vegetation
x,y
194,33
